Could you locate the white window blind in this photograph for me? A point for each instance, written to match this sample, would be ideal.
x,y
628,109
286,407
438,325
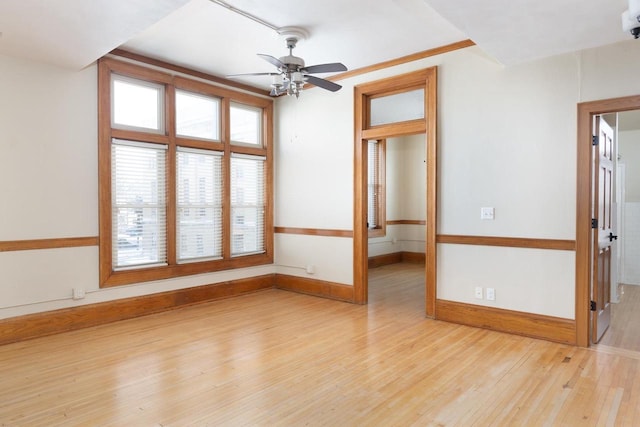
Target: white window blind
x,y
138,204
247,204
199,204
372,184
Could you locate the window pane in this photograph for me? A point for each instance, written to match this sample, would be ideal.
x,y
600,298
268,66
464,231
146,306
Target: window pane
x,y
247,205
397,108
138,204
372,185
199,209
137,104
246,124
197,115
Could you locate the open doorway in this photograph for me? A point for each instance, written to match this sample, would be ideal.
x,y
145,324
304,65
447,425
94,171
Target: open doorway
x,y
623,330
368,128
396,219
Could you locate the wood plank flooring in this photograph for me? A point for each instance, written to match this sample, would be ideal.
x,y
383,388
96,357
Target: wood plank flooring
x,y
624,329
277,358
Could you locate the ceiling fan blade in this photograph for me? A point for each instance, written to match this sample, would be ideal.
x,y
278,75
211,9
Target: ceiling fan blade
x,y
272,60
325,68
324,84
230,76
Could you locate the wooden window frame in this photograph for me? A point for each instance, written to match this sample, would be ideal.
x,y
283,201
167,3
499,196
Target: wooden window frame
x,y
381,212
108,66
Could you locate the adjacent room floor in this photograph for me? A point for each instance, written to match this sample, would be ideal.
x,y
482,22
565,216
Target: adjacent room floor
x,y
624,329
280,358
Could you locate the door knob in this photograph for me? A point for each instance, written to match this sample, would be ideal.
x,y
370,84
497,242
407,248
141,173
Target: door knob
x,y
612,237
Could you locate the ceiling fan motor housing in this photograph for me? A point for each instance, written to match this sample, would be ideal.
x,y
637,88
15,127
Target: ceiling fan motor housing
x,y
293,63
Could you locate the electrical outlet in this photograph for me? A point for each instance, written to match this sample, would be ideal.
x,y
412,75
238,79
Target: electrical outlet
x,y
491,294
478,292
78,293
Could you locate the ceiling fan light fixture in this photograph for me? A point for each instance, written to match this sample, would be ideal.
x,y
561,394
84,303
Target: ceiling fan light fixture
x,y
297,78
277,81
293,90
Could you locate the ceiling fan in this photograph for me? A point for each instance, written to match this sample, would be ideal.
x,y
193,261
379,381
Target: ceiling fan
x,y
292,73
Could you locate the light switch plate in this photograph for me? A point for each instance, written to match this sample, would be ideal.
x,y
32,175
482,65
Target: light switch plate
x,y
486,213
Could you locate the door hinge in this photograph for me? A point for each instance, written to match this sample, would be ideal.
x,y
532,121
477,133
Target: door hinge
x,y
592,306
594,222
595,140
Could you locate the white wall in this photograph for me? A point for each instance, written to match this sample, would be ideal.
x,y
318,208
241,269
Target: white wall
x,y
405,196
507,139
629,150
49,189
631,244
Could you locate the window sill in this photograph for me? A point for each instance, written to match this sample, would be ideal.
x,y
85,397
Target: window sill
x,y
377,232
127,277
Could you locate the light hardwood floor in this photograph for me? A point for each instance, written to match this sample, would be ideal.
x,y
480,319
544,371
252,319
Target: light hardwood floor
x,y
624,329
279,358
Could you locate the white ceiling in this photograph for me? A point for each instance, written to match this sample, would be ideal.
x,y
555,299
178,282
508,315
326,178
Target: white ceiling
x,y
74,33
204,36
515,31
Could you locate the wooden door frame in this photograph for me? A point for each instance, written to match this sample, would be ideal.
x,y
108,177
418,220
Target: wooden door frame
x,y
584,199
426,79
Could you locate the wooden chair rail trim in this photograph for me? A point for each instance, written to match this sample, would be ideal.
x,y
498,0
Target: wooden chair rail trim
x,y
29,326
512,242
65,242
406,222
314,232
336,291
404,59
514,322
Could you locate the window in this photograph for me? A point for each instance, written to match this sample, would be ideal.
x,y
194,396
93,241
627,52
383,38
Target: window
x,y
197,116
182,191
398,107
137,104
138,204
376,191
246,124
247,204
200,235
